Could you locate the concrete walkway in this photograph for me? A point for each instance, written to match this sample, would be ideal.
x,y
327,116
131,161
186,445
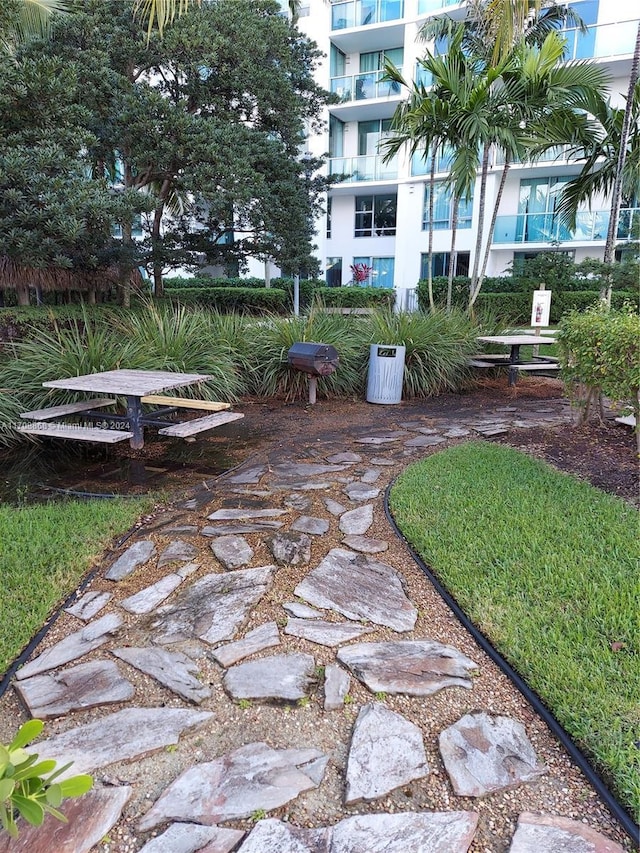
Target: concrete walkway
x,y
264,669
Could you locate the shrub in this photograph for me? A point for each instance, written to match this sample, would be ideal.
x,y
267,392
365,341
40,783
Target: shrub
x,y
601,350
246,300
438,346
355,297
28,788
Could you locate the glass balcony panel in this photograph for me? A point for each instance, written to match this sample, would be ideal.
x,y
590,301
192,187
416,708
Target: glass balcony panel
x,y
547,227
615,39
342,86
343,16
435,5
369,167
629,223
361,13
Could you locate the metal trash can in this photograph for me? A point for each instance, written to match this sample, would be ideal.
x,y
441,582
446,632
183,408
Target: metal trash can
x,y
386,373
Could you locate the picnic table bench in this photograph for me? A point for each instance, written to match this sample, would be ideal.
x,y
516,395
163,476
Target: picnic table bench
x,y
138,387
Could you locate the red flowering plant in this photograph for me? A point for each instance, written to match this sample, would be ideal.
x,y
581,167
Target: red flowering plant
x,y
360,274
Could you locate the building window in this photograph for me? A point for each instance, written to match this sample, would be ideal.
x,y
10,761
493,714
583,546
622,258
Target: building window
x,y
333,274
443,209
329,210
579,45
381,271
376,215
336,137
371,133
441,261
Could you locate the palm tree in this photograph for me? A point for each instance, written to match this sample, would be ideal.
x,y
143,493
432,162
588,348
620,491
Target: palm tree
x,y
163,12
22,19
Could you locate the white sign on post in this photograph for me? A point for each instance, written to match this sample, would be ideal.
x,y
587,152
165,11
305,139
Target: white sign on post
x,y
541,308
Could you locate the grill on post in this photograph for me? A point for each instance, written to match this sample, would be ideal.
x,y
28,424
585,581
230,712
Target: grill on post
x,y
315,360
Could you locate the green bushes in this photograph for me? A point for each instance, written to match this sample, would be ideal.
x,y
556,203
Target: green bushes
x,y
515,306
601,351
356,297
245,300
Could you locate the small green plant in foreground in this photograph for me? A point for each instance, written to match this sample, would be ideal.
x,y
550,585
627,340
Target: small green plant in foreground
x,y
28,787
546,566
244,704
258,814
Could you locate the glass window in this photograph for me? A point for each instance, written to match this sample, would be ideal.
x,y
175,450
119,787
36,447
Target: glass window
x,y
333,274
441,261
337,62
375,60
336,137
375,215
443,209
382,270
370,133
329,208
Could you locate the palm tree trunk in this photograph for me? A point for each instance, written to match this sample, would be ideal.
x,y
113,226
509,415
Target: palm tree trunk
x,y
453,258
432,186
481,206
616,195
494,216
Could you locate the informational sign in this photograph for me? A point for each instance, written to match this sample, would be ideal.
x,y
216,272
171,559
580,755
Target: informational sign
x,y
541,308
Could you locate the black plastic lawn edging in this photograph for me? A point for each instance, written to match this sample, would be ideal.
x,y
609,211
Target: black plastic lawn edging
x,y
618,812
37,638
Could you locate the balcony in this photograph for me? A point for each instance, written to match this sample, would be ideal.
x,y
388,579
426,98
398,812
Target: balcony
x,y
362,87
601,41
369,167
591,226
427,6
360,26
363,13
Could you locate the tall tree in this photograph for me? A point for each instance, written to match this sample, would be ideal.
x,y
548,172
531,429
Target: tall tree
x,y
213,113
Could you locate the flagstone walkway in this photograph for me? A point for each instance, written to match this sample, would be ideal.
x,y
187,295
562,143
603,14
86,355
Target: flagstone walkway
x,y
264,669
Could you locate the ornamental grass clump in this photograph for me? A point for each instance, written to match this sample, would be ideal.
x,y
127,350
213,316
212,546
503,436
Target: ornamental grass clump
x,y
272,339
177,338
438,346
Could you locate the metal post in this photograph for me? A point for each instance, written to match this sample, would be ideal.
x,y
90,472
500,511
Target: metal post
x,y
296,295
313,385
134,416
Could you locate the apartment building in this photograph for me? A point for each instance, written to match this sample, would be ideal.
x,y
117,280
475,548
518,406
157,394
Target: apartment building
x,y
378,213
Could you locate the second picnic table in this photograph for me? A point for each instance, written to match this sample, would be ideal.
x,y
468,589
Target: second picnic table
x,y
514,362
138,387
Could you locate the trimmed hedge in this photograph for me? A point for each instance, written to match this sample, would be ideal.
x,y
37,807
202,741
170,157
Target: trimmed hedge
x,y
356,297
243,300
515,306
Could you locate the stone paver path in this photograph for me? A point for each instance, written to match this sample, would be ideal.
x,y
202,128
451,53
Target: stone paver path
x,y
332,685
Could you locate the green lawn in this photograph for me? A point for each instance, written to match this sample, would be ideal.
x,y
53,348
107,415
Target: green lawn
x,y
45,550
547,567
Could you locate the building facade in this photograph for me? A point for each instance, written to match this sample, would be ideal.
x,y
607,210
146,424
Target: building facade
x,y
378,214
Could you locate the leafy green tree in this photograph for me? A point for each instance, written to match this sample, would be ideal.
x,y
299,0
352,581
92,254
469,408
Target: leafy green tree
x,y
23,19
208,121
52,215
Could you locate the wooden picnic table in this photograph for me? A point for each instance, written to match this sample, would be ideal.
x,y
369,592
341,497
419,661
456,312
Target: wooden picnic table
x,y
138,387
515,363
